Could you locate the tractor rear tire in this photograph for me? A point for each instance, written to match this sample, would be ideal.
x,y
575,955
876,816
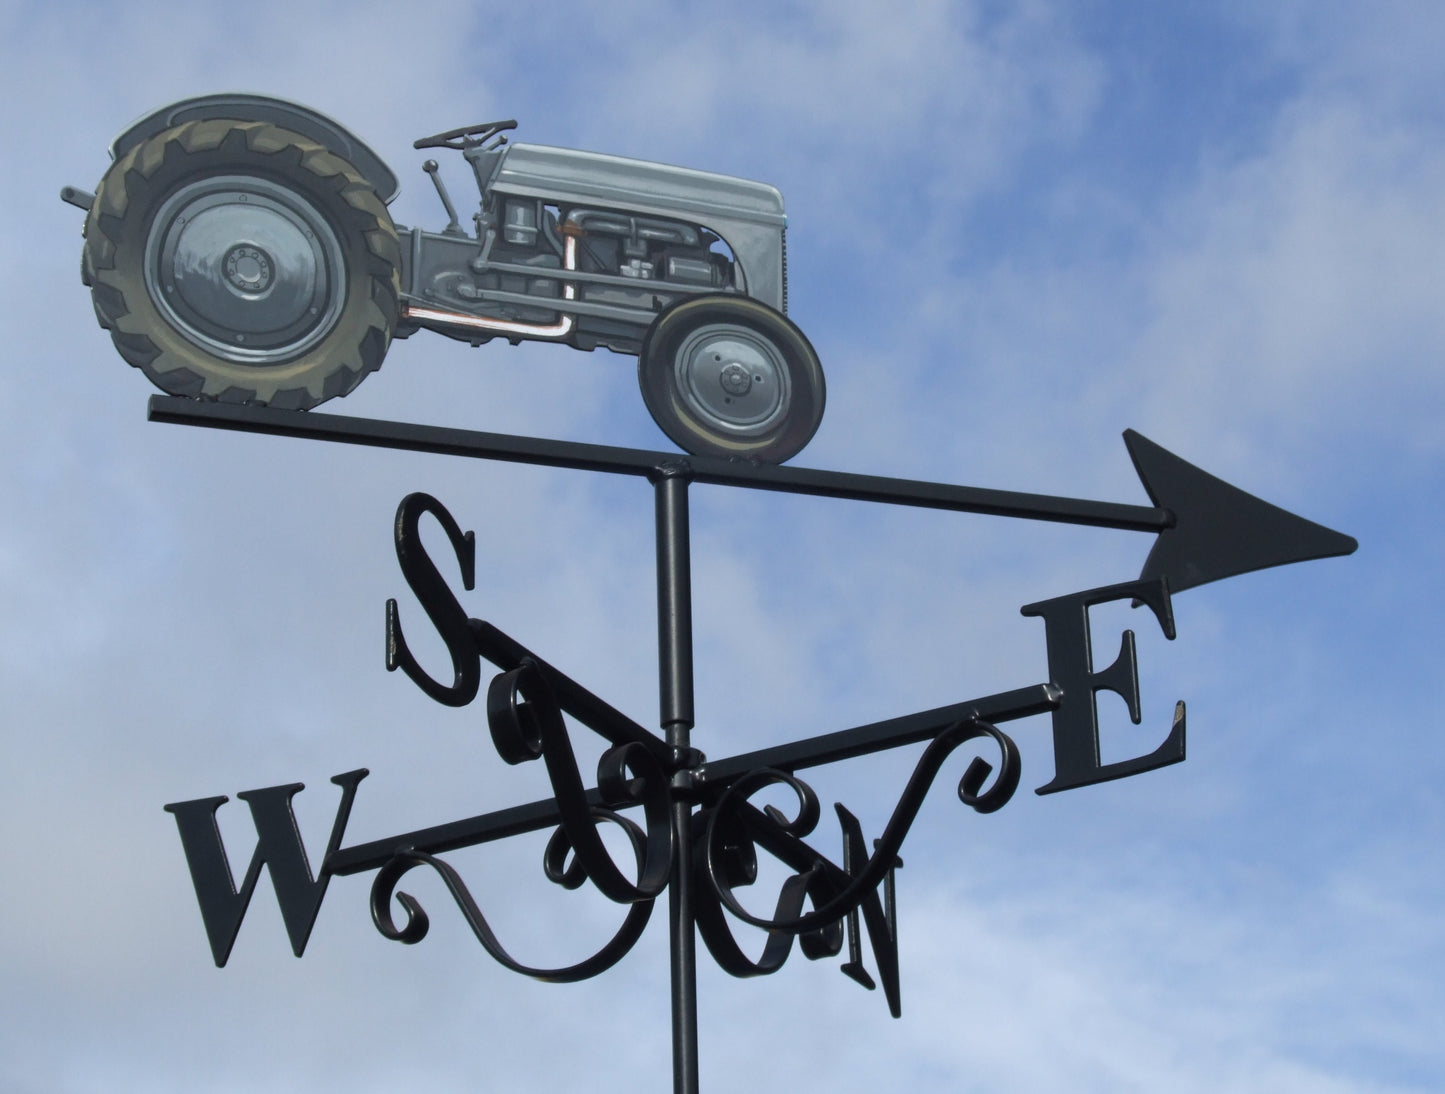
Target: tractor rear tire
x,y
238,261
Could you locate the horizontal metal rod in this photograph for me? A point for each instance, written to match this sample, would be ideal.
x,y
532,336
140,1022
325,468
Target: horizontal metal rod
x,y
496,825
713,778
851,743
642,462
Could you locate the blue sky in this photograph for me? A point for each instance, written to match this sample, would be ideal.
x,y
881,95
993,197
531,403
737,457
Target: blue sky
x,y
1016,229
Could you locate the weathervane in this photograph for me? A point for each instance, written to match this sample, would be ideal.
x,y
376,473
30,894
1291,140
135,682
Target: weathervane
x,y
240,253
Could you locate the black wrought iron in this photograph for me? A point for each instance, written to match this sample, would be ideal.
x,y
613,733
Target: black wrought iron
x,y
863,873
1208,530
417,922
526,724
699,835
674,659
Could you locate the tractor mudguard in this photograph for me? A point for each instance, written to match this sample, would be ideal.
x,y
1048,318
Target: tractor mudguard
x,y
331,135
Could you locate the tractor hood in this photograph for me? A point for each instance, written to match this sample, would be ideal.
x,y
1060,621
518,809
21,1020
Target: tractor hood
x,y
592,178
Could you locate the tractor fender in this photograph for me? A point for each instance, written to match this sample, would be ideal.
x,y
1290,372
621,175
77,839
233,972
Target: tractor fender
x,y
264,108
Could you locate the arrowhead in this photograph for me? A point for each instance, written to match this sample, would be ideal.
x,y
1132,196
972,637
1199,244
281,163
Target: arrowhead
x,y
1218,529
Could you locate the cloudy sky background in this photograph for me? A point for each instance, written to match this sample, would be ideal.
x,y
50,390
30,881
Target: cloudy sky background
x,y
1016,230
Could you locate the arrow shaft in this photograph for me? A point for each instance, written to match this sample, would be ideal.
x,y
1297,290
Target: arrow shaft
x,y
935,495
641,462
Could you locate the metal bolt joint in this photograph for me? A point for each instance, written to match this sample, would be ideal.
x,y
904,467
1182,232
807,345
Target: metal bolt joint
x,y
678,468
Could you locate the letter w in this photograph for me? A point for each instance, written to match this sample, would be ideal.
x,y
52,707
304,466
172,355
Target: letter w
x,y
278,847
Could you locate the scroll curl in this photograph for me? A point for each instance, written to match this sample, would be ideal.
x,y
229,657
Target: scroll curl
x,y
833,898
417,923
735,862
526,724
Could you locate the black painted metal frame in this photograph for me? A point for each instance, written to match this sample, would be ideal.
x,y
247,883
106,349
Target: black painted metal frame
x,y
701,833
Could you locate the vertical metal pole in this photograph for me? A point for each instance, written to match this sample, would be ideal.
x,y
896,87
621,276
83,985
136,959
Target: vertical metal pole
x,y
674,647
674,606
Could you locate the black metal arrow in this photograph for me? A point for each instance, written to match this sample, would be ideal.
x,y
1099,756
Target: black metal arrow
x,y
1207,529
1219,530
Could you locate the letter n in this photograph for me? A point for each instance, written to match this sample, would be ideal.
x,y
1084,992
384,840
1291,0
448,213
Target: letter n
x,y
278,847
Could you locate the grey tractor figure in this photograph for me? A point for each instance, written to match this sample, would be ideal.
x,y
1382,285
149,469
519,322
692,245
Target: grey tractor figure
x,y
239,248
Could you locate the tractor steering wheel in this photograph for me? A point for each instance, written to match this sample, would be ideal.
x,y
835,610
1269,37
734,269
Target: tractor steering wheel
x,y
468,136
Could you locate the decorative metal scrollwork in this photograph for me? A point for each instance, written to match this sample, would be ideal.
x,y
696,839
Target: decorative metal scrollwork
x,y
734,827
526,724
730,858
700,833
415,928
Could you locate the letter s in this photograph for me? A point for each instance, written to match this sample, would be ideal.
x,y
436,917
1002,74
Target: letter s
x,y
437,599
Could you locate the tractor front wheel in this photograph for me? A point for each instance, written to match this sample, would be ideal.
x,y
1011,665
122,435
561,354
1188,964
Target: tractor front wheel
x,y
730,376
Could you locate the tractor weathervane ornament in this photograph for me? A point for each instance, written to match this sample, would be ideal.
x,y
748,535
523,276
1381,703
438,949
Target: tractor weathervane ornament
x,y
240,253
240,250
